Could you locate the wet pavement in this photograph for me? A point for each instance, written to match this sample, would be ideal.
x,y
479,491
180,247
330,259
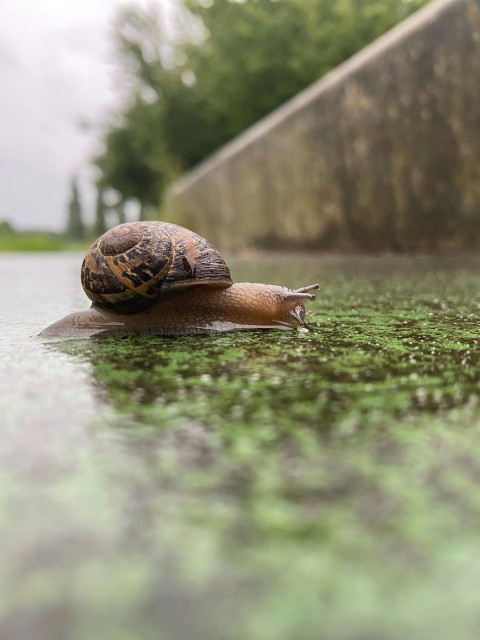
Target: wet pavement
x,y
248,485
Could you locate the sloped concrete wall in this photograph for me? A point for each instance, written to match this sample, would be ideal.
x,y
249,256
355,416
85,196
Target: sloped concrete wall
x,y
381,154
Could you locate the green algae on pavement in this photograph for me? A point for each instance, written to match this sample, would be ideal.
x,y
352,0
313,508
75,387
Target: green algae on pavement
x,y
375,350
279,485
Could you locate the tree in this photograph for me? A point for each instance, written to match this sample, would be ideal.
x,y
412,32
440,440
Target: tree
x,y
257,54
100,212
134,161
232,63
75,227
120,211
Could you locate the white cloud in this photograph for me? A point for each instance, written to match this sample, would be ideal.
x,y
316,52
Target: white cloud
x,y
55,71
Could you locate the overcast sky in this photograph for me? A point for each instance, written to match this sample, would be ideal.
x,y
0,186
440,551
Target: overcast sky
x,y
56,70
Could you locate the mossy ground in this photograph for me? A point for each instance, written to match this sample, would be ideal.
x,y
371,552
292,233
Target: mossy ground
x,y
284,486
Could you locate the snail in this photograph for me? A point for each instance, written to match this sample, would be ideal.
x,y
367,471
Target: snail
x,y
160,278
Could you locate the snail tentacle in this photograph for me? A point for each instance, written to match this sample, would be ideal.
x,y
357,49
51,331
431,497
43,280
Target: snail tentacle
x,y
310,287
301,294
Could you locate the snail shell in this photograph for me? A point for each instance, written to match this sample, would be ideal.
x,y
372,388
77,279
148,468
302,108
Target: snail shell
x,y
134,264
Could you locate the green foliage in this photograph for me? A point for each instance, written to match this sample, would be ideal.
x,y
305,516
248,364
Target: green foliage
x,y
133,163
260,53
231,63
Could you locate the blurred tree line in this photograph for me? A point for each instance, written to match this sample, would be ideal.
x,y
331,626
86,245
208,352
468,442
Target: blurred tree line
x,y
225,64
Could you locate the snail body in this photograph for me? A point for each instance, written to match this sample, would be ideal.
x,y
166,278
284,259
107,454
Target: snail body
x,y
159,278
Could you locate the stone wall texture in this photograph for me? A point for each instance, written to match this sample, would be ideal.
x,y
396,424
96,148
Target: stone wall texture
x,y
382,154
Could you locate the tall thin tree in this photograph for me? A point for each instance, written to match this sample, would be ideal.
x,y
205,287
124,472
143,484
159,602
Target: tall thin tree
x,y
120,211
75,225
100,212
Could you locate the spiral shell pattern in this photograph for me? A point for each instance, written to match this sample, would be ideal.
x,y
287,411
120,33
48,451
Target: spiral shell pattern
x,y
131,266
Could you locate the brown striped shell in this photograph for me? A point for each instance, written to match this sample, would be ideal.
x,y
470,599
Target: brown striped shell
x,y
131,266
